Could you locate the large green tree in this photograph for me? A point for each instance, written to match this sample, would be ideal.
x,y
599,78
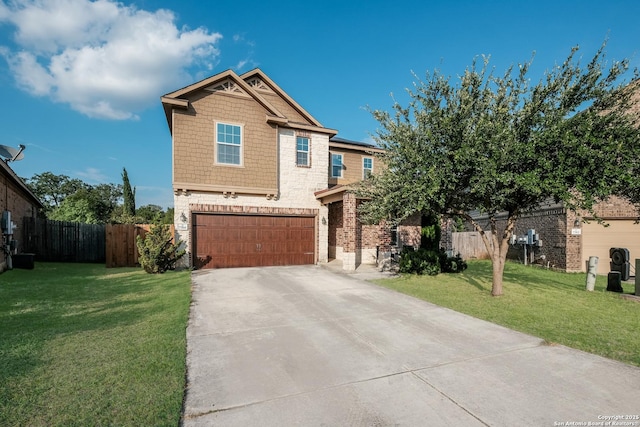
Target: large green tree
x,y
68,199
52,189
90,205
500,145
147,214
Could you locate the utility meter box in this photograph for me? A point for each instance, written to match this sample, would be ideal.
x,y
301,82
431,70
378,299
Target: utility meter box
x,y
5,224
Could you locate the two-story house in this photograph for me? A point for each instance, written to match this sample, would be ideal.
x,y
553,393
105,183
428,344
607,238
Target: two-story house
x,y
258,181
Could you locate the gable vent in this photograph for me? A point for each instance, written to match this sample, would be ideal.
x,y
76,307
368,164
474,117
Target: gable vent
x,y
227,86
258,84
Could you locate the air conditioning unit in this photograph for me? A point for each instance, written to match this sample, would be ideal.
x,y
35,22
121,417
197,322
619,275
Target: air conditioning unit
x,y
620,262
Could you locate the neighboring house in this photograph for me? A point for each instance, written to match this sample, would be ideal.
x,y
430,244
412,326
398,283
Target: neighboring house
x,y
569,238
259,181
17,198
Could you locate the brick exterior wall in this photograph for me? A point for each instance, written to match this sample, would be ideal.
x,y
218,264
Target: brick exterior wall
x,y
384,240
409,231
369,236
364,243
357,243
13,199
336,234
349,223
560,248
551,226
613,208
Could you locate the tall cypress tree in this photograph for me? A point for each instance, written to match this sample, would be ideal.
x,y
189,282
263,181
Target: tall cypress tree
x,y
129,195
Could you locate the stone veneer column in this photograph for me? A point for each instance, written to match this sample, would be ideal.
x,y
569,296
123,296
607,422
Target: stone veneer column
x,y
349,230
183,228
323,234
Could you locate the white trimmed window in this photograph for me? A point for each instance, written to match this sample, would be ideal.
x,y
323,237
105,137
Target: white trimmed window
x,y
336,165
228,144
302,151
367,167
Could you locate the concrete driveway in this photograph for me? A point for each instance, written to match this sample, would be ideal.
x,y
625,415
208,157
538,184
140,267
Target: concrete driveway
x,y
304,346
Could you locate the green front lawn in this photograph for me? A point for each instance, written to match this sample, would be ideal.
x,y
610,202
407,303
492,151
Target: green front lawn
x,y
84,345
551,305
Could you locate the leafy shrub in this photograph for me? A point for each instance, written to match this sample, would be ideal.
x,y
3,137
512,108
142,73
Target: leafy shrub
x,y
422,261
156,251
452,264
429,262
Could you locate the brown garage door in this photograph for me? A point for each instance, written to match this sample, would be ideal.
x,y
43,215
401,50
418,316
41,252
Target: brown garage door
x,y
221,241
597,240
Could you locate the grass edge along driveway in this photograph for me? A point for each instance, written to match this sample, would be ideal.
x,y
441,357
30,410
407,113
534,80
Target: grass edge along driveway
x,y
551,305
83,345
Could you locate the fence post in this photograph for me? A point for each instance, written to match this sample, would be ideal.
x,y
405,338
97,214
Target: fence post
x,y
591,272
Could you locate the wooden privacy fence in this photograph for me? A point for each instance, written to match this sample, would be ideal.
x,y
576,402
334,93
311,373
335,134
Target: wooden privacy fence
x,y
62,241
121,248
470,245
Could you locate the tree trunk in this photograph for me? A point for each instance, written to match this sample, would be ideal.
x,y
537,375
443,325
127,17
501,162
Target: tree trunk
x,y
497,249
498,270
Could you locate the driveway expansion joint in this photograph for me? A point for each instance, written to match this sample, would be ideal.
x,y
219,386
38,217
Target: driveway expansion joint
x,y
413,372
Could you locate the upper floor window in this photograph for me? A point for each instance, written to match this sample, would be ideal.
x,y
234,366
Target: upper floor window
x,y
302,151
367,167
228,144
336,165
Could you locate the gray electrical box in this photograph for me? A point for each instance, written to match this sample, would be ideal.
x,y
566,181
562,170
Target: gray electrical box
x,y
6,223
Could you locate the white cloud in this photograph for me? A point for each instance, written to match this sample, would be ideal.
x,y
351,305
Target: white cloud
x,y
240,65
29,74
247,62
4,12
239,38
91,175
103,58
244,65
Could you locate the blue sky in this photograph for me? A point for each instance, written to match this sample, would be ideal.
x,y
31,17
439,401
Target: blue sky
x,y
81,81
